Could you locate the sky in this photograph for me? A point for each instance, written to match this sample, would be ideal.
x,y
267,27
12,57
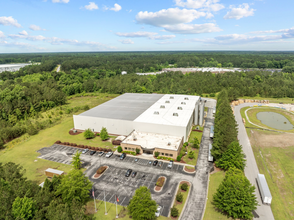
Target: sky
x,y
140,25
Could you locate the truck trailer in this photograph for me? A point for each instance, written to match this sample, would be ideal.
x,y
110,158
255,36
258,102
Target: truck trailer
x,y
265,193
211,132
210,157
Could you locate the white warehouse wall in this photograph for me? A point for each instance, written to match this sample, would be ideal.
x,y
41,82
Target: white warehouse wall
x,y
113,126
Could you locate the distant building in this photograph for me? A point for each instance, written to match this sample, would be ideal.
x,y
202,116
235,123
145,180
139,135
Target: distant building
x,y
123,73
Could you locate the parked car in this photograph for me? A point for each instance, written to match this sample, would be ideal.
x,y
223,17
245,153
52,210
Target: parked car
x,y
134,173
128,173
150,162
85,151
109,154
160,163
170,164
92,152
123,156
100,153
136,160
158,211
155,162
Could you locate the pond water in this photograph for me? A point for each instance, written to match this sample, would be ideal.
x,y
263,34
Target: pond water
x,y
274,120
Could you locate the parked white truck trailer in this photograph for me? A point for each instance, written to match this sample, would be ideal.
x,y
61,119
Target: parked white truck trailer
x,y
210,157
211,132
265,193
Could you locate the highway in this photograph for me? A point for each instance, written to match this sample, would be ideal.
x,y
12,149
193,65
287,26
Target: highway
x,y
251,170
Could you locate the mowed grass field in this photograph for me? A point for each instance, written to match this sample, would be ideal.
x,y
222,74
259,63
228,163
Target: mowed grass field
x,y
210,212
25,151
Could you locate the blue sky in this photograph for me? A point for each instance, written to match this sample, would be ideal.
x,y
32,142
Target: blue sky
x,y
153,25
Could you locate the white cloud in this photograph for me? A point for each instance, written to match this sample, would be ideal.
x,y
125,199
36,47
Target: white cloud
x,y
36,28
272,31
241,12
193,28
129,10
126,41
162,37
171,16
23,33
210,5
91,6
136,34
2,35
27,37
20,45
9,21
116,8
60,1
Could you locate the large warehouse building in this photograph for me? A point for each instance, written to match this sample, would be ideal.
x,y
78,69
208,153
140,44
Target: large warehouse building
x,y
159,114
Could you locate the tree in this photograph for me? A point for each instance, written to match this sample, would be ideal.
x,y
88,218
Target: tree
x,y
235,195
88,134
191,155
156,153
179,197
119,149
195,143
232,157
76,160
142,206
24,208
174,212
74,185
104,134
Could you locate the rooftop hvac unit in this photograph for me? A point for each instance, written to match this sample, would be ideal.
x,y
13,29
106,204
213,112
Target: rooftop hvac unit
x,y
183,103
156,113
186,98
171,97
180,108
167,101
168,143
134,137
162,106
175,114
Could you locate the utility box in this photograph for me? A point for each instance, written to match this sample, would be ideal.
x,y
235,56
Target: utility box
x,y
265,193
51,172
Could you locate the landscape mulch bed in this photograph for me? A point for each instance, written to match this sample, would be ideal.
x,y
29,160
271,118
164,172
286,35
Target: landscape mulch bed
x,y
197,130
157,188
98,175
178,203
72,133
189,170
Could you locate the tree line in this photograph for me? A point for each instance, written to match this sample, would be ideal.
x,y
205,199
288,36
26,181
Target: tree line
x,y
235,195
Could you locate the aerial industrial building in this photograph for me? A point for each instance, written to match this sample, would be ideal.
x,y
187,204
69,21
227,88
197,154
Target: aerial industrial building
x,y
150,121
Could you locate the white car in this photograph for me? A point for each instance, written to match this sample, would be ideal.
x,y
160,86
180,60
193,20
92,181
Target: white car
x,y
100,153
85,151
170,164
109,154
158,211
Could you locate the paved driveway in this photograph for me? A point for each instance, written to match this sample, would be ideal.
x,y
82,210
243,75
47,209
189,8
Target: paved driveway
x,y
251,170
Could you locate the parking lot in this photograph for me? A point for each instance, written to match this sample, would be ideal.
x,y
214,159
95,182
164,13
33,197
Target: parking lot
x,y
114,183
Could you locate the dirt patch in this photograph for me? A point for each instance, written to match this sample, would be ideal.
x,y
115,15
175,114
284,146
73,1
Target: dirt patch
x,y
71,132
271,139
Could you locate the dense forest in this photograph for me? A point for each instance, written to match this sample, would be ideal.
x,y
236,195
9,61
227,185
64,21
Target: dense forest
x,y
37,88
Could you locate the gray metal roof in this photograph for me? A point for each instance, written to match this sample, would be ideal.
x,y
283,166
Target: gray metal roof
x,y
125,107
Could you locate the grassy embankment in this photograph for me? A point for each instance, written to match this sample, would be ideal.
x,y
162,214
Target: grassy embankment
x,y
210,212
271,100
23,150
276,162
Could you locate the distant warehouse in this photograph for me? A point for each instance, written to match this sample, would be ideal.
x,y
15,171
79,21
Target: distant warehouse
x,y
139,114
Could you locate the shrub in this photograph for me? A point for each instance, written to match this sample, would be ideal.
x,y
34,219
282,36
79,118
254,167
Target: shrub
x,y
184,186
179,158
82,146
185,144
97,148
174,212
156,153
32,130
160,181
75,145
195,143
179,197
88,134
97,134
109,150
104,134
101,170
86,107
137,150
191,155
90,148
86,146
57,142
119,149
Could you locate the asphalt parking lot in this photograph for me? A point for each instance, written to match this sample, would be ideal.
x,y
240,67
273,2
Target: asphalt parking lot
x,y
114,183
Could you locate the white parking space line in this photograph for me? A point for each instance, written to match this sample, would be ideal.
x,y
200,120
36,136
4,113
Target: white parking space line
x,y
178,166
123,200
110,198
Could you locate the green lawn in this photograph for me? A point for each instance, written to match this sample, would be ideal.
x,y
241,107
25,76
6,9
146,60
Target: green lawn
x,y
111,211
210,213
280,163
23,150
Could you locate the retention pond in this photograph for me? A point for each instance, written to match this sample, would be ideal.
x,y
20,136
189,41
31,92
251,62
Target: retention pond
x,y
274,120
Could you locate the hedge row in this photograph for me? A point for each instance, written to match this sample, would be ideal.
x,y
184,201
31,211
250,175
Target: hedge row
x,y
83,146
165,158
160,181
130,152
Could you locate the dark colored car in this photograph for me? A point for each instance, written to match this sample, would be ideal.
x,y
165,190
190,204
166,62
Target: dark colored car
x,y
92,152
155,162
134,174
160,163
128,173
123,156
